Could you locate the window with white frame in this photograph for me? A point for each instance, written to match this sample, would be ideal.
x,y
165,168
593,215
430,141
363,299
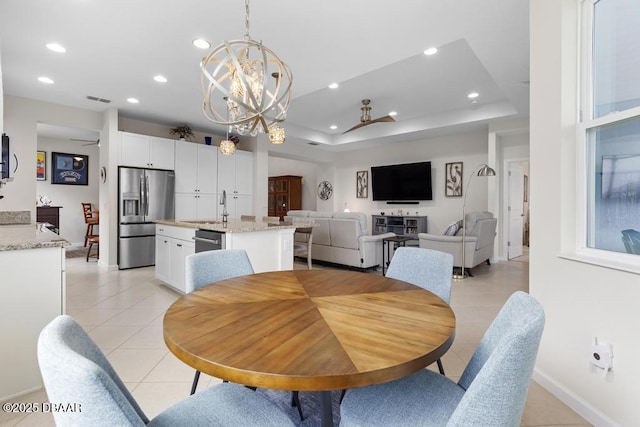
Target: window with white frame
x,y
610,126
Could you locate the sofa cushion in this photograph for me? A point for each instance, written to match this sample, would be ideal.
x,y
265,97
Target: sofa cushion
x,y
314,214
358,216
299,213
320,232
472,218
344,233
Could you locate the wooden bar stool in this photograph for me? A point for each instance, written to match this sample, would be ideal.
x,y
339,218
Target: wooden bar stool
x,y
302,245
94,240
91,218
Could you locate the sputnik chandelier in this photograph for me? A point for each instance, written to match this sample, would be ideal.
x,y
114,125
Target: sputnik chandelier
x,y
255,83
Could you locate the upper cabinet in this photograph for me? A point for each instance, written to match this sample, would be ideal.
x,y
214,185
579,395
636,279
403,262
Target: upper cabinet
x,y
235,173
196,168
146,151
196,179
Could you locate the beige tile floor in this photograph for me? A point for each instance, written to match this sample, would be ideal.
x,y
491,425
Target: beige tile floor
x,y
122,311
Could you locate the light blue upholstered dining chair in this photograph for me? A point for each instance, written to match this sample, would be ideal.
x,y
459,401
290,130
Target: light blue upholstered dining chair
x,y
207,267
491,392
75,371
427,268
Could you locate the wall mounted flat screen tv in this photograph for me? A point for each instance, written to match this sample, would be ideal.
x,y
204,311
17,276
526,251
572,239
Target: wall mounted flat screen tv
x,y
403,182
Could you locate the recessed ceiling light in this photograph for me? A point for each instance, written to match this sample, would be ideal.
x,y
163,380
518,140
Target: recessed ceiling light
x,y
473,95
333,127
201,43
56,47
475,101
160,79
46,80
133,100
431,51
333,86
393,113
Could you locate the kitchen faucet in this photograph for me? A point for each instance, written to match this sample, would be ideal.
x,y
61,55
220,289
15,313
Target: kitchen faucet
x,y
223,202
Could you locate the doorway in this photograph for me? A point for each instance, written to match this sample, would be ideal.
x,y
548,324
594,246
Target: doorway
x,y
60,139
517,208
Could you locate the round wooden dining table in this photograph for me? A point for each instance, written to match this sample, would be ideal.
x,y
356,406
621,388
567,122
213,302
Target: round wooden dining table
x,y
309,330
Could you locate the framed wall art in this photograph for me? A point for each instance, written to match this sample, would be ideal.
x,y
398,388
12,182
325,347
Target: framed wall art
x,y
41,166
362,184
453,179
69,169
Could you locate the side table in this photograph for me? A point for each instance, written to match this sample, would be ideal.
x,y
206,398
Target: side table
x,y
396,241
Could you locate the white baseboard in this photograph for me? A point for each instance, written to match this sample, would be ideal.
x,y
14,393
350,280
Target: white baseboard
x,y
583,408
20,394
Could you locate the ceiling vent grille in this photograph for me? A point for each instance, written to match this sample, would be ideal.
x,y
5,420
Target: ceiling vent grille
x,y
95,98
313,143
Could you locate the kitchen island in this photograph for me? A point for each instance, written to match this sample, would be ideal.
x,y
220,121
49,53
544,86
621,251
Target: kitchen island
x,y
33,293
269,246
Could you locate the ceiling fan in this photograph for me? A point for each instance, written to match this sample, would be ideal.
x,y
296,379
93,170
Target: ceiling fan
x,y
90,141
365,119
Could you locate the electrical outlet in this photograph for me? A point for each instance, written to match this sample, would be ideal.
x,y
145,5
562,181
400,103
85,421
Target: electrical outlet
x,y
601,355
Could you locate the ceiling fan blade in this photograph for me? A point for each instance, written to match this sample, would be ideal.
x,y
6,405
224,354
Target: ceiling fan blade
x,y
358,126
365,119
90,141
387,119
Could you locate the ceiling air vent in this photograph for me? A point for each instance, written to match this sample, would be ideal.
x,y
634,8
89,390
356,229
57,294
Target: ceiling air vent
x,y
313,143
95,98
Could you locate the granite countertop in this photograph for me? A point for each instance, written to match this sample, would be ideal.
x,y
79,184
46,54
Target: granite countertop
x,y
28,236
232,226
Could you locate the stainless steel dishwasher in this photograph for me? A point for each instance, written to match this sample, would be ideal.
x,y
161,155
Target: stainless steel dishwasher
x,y
209,240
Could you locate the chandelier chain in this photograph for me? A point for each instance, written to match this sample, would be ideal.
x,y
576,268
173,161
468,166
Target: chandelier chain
x,y
246,21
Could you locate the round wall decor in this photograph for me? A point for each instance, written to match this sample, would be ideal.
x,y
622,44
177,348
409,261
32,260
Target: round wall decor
x,y
325,190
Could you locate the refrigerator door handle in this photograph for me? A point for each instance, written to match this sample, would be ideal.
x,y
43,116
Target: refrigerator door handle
x,y
146,195
142,198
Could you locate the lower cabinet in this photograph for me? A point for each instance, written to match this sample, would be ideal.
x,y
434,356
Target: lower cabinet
x,y
173,244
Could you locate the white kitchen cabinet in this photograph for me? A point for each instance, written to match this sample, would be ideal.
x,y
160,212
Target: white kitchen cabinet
x,y
238,204
196,205
235,175
163,244
33,295
173,245
244,172
146,151
196,180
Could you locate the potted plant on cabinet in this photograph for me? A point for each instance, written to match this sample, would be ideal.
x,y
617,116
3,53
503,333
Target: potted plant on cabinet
x,y
183,132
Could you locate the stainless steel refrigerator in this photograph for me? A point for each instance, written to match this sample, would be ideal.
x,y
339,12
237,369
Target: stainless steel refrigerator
x,y
145,195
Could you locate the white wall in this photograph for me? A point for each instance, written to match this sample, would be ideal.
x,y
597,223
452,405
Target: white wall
x,y
307,170
469,148
340,169
21,117
72,226
580,300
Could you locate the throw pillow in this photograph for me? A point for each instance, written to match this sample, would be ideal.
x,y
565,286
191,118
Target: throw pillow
x,y
452,229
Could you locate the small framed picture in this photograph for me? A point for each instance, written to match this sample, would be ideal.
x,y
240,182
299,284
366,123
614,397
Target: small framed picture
x,y
453,179
69,169
362,184
41,165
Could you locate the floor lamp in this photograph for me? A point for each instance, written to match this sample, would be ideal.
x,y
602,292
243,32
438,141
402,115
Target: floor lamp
x,y
482,170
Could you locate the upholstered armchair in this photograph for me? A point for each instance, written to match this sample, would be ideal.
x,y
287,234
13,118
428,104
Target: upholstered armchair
x,y
478,241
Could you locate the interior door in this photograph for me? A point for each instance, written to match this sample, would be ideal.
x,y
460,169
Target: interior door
x,y
516,210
